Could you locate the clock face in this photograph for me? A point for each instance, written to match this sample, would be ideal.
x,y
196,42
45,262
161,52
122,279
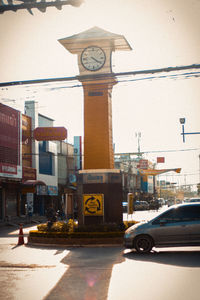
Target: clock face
x,y
93,58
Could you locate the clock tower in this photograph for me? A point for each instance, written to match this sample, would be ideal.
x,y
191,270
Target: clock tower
x,y
100,185
94,49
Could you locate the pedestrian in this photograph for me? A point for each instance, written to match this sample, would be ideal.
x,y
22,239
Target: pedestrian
x,y
30,214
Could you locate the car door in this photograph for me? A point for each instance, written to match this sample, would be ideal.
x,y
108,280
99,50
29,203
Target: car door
x,y
171,228
192,220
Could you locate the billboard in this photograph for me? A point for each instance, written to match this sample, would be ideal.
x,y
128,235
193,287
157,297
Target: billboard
x,y
155,172
78,152
26,141
150,185
160,160
10,142
50,133
143,164
28,173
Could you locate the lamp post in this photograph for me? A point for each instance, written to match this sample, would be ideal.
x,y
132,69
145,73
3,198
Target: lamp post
x,y
182,121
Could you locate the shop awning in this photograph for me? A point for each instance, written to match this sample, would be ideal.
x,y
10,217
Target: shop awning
x,y
33,182
153,172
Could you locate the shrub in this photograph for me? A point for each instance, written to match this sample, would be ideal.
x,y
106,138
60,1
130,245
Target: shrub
x,y
110,227
71,227
59,226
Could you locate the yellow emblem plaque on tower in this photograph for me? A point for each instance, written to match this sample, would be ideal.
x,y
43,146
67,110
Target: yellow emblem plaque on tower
x,y
93,204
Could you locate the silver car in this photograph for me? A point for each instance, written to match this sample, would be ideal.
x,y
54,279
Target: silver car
x,y
179,225
141,205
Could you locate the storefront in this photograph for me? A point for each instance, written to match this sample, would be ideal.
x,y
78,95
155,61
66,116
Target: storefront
x,y
9,199
10,161
29,190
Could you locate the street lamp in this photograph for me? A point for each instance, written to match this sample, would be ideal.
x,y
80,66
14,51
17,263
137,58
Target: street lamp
x,y
182,121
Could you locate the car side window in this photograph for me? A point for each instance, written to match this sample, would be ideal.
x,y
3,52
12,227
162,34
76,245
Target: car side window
x,y
191,213
167,217
180,214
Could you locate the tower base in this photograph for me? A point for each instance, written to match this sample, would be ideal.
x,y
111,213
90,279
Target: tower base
x,y
100,196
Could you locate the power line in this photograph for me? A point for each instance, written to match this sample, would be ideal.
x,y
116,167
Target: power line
x,y
178,175
103,76
156,151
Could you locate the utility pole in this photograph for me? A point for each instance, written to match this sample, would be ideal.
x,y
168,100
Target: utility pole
x,y
199,168
182,122
138,136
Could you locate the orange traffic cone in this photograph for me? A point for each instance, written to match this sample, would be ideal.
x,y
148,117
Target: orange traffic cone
x,y
21,235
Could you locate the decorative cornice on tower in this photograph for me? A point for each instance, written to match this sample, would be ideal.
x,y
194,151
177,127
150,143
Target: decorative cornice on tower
x,y
75,43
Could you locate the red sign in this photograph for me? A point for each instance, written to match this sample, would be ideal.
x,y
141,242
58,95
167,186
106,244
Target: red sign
x,y
50,133
9,135
160,160
8,168
26,141
28,173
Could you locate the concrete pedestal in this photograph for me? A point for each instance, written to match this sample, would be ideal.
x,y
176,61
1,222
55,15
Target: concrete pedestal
x,y
100,184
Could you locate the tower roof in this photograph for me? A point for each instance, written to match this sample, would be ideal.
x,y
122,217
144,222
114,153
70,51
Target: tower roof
x,y
73,43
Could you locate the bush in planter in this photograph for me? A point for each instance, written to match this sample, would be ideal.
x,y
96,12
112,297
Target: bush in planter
x,y
110,227
71,230
59,226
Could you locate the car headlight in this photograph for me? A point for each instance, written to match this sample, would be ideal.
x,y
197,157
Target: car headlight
x,y
130,230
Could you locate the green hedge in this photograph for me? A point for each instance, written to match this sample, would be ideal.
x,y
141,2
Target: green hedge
x,y
71,226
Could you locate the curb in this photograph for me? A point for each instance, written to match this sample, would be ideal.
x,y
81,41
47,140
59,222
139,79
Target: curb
x,y
74,242
73,246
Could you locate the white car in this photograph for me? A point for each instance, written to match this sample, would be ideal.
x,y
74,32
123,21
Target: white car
x,y
194,200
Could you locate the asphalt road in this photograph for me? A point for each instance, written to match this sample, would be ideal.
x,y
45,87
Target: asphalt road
x,y
96,273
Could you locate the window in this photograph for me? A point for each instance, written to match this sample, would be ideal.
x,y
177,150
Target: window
x,y
180,214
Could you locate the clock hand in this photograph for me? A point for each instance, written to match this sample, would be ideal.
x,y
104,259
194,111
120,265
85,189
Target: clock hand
x,y
95,59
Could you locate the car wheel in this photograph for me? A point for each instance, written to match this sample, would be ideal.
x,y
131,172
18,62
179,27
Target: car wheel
x,y
143,244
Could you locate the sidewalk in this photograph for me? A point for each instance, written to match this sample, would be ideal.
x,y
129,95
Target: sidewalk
x,y
15,221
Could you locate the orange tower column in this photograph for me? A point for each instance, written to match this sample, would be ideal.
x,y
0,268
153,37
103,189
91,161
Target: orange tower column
x,y
98,142
94,48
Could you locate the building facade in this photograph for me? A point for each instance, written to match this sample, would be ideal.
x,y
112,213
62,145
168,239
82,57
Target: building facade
x,y
10,161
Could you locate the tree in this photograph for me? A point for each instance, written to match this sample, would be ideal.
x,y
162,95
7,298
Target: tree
x,y
42,5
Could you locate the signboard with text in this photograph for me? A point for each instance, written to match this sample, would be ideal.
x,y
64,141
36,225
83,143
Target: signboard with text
x,y
160,160
26,141
93,204
50,133
10,142
143,164
78,152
